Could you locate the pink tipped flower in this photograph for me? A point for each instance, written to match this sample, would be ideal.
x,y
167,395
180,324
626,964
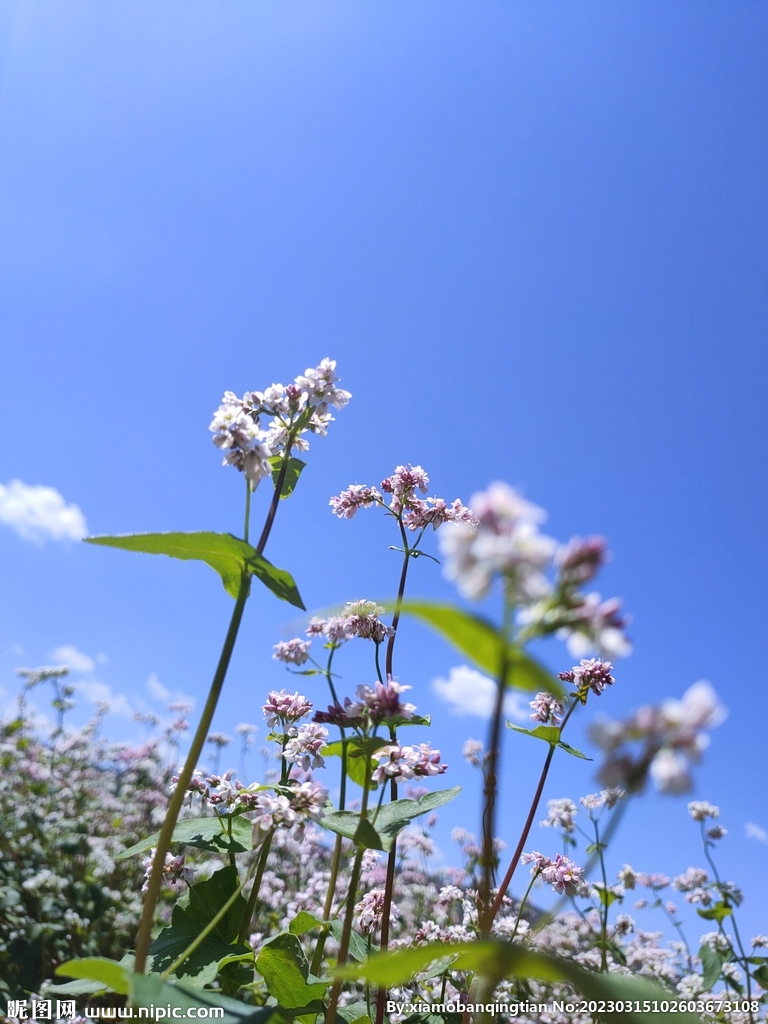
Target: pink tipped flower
x,y
565,877
356,496
699,810
304,748
434,512
370,911
399,763
546,708
580,559
505,541
343,715
560,814
292,652
590,674
383,702
283,707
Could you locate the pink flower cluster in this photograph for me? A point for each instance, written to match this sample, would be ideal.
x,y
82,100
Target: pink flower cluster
x,y
283,708
416,513
296,409
562,873
672,737
400,763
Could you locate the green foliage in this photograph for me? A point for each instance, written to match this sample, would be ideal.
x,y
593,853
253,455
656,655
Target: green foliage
x,y
550,734
204,834
358,946
496,960
391,819
226,554
194,910
292,474
718,912
712,961
151,989
284,967
484,645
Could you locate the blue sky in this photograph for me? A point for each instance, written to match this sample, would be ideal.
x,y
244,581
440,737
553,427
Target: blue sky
x,y
533,236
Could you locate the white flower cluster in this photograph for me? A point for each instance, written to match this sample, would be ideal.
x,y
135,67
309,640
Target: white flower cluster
x,y
296,409
501,538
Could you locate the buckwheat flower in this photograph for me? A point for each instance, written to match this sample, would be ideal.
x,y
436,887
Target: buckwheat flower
x,y
640,904
731,972
546,708
292,652
370,911
273,811
383,702
701,809
309,799
596,625
760,942
304,748
356,496
337,629
342,715
561,813
580,559
655,880
320,385
472,751
175,874
506,541
605,798
451,894
624,924
434,512
730,892
180,707
690,880
716,832
627,876
590,674
669,770
246,729
362,620
565,877
219,739
283,707
316,627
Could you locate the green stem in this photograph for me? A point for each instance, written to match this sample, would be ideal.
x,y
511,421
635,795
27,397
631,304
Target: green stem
x,y
534,876
528,823
399,601
144,936
262,863
317,956
346,932
604,909
247,510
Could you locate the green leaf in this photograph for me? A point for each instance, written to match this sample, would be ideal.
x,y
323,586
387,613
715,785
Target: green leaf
x,y
304,922
483,644
761,975
573,751
354,1013
605,896
496,960
149,990
192,912
358,946
203,834
391,819
712,964
292,475
228,555
285,970
109,973
279,581
717,913
357,768
225,553
548,733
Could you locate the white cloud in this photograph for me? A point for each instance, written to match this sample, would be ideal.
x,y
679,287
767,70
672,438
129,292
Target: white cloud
x,y
756,832
39,513
471,693
73,659
157,689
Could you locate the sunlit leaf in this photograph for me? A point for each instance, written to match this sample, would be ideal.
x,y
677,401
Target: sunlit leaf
x,y
292,475
483,644
204,834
